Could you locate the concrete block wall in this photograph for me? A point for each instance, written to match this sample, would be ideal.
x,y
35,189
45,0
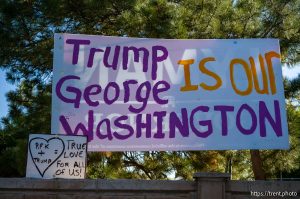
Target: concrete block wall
x,y
205,186
25,188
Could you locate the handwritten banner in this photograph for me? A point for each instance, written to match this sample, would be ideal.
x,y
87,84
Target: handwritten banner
x,y
52,156
134,94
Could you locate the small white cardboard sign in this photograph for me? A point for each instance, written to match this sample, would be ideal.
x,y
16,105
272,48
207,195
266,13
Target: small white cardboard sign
x,y
53,156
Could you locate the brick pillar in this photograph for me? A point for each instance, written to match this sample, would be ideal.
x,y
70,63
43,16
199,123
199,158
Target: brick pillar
x,y
211,185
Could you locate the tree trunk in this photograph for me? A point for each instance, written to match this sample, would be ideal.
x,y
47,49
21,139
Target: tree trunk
x,y
259,173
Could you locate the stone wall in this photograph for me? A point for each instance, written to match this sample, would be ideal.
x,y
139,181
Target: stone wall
x,y
205,185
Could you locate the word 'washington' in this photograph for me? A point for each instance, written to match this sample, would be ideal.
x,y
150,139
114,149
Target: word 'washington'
x,y
182,124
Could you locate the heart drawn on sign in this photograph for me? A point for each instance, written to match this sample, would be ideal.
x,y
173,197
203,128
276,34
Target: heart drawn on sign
x,y
45,153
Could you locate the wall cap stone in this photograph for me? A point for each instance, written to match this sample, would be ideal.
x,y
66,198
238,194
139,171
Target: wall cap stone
x,y
211,175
